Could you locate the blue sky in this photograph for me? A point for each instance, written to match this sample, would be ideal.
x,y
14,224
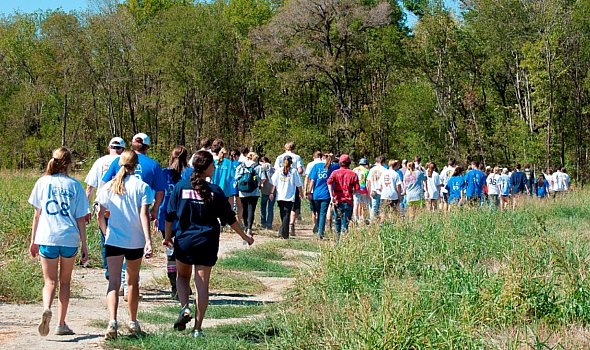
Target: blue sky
x,y
8,7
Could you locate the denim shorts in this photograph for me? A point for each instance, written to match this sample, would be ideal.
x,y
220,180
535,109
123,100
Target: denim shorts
x,y
361,198
55,251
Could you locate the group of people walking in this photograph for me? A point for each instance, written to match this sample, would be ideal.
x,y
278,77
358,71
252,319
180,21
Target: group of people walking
x,y
191,200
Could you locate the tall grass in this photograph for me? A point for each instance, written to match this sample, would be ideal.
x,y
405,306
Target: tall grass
x,y
447,281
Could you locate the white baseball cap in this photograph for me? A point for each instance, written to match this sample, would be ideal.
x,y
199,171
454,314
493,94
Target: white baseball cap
x,y
117,142
141,138
505,170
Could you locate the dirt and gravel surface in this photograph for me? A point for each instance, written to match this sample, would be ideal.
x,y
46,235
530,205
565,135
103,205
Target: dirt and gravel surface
x,y
87,313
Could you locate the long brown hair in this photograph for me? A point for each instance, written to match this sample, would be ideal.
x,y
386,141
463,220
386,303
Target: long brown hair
x,y
201,162
287,162
329,160
127,162
60,162
178,161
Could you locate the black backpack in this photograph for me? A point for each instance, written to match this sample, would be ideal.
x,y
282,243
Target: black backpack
x,y
248,181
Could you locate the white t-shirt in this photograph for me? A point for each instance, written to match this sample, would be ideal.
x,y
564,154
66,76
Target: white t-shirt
x,y
567,181
445,175
432,184
388,184
311,164
559,181
62,201
296,161
374,177
99,168
492,182
286,184
551,180
124,227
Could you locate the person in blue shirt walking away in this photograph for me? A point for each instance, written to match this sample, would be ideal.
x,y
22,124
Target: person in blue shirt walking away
x,y
519,185
504,185
475,179
222,176
542,187
177,165
249,178
456,188
234,200
318,188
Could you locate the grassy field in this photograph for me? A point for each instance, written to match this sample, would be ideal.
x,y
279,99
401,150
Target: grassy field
x,y
471,279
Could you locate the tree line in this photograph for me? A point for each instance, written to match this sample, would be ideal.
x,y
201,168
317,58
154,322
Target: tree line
x,y
505,81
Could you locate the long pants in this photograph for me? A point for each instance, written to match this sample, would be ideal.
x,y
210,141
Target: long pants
x,y
321,207
285,208
266,211
375,203
342,215
248,209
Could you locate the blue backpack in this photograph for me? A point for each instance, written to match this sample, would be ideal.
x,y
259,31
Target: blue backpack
x,y
248,181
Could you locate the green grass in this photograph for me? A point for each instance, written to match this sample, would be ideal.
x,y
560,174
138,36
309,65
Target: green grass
x,y
166,315
243,262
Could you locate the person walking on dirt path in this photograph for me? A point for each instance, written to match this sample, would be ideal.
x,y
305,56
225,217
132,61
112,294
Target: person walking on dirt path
x,y
177,166
297,164
342,184
94,184
249,178
266,205
317,159
200,208
128,199
287,183
59,226
318,189
234,199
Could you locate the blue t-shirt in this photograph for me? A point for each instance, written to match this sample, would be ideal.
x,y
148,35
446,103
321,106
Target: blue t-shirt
x,y
148,170
475,180
223,177
504,184
518,181
171,182
401,174
234,188
319,174
455,185
542,190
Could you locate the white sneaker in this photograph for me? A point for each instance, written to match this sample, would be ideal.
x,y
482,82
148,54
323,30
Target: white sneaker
x,y
134,328
111,332
64,330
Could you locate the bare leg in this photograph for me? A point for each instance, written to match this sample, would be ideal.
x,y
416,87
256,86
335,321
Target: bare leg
x,y
49,267
133,267
202,274
183,281
115,264
66,265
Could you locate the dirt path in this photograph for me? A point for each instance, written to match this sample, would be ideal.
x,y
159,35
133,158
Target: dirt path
x,y
87,314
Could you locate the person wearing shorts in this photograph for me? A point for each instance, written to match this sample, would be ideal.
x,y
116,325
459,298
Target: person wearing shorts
x,y
414,184
390,186
361,198
128,199
200,208
59,225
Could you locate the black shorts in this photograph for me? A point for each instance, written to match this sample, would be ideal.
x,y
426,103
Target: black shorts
x,y
204,254
130,254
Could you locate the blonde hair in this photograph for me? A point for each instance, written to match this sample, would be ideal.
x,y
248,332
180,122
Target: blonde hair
x,y
221,155
496,170
252,156
61,159
411,166
127,162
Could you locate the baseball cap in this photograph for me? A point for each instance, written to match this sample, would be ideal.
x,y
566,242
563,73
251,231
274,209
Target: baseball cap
x,y
117,142
363,161
505,170
141,138
344,158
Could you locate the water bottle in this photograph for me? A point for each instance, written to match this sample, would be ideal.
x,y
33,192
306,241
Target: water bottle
x,y
169,251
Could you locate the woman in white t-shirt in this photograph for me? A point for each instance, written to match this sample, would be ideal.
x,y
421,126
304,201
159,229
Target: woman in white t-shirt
x,y
433,186
494,188
286,181
390,187
127,198
58,227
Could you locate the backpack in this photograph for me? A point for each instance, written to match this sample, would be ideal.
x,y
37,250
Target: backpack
x,y
248,181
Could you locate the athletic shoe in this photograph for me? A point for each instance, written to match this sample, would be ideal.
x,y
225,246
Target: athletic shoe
x,y
64,330
249,232
111,332
292,230
315,228
197,333
134,328
184,317
44,326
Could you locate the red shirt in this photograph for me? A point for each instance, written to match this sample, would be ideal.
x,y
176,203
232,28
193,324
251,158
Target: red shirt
x,y
344,183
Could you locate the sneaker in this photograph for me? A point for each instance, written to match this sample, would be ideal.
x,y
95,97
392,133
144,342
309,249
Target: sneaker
x,y
134,328
44,326
111,332
184,317
315,228
249,232
197,333
64,330
292,230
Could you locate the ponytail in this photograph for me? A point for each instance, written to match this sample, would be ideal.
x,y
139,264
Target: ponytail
x,y
127,162
329,160
61,159
201,162
178,161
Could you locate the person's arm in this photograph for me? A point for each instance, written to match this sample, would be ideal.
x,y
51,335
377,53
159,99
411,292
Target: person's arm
x,y
398,188
238,229
144,216
34,248
102,223
168,234
89,193
153,214
81,223
271,196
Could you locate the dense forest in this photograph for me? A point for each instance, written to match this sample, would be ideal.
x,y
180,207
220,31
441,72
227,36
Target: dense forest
x,y
503,81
